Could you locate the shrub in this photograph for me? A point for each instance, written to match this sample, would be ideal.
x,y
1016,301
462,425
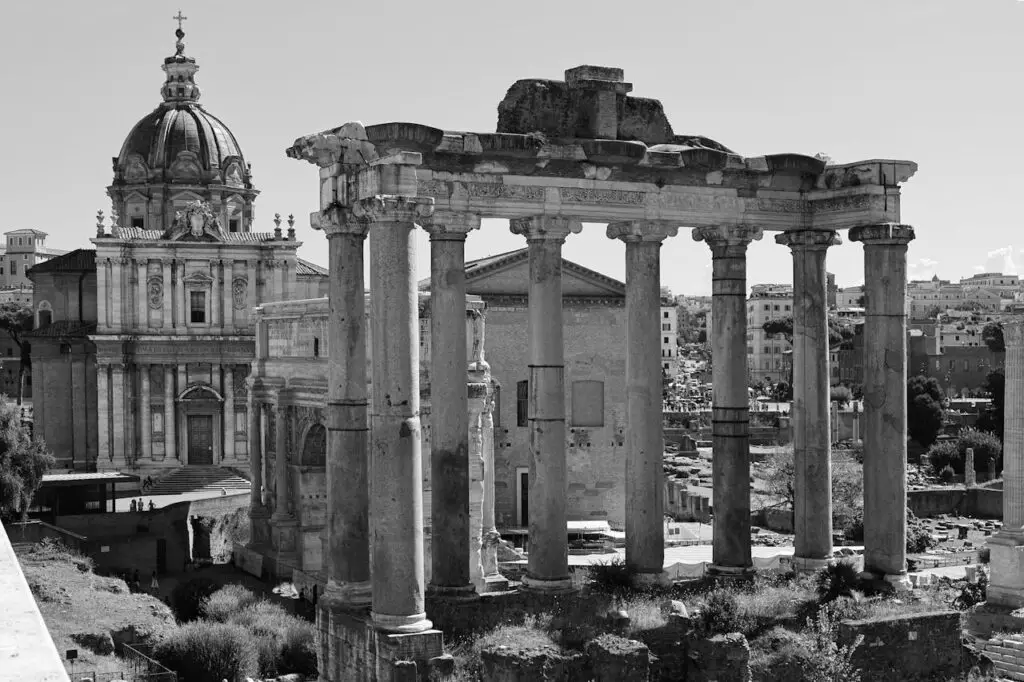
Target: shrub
x,y
610,576
947,474
720,615
943,454
986,446
226,602
836,580
187,598
208,652
284,644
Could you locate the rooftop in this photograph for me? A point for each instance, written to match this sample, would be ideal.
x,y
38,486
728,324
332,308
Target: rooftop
x,y
79,260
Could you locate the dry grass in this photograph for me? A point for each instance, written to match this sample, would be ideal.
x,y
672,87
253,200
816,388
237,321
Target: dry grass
x,y
75,600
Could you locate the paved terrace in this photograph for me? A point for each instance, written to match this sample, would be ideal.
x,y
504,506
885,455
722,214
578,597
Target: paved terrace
x,y
26,650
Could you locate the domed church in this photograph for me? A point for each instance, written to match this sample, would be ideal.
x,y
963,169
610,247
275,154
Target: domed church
x,y
143,346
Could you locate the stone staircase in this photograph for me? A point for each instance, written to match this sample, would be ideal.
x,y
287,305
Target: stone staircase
x,y
190,479
1007,656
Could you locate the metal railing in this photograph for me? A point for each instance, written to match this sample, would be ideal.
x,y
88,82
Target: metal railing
x,y
139,667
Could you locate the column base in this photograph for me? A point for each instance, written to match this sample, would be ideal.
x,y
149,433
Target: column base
x,y
461,593
731,572
548,585
1006,570
348,596
642,580
802,564
405,625
491,583
901,581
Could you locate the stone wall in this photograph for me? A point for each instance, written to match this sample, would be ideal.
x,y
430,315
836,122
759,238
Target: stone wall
x,y
921,647
595,343
982,503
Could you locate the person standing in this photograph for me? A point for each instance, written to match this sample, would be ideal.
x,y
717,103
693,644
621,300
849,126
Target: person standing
x,y
154,585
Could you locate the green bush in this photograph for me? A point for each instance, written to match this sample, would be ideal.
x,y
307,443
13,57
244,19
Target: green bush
x,y
284,644
610,576
837,580
208,652
720,615
187,598
943,454
226,602
919,538
986,446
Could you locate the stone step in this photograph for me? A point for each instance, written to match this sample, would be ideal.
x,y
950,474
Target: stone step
x,y
192,479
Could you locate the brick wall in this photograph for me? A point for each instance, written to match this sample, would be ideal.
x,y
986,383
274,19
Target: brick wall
x,y
594,339
922,646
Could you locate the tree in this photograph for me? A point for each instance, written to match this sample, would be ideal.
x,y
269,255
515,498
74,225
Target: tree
x,y
23,462
782,392
837,332
16,319
924,409
992,335
840,394
932,312
992,418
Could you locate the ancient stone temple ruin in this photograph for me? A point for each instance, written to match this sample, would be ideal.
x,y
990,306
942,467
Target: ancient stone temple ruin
x,y
567,154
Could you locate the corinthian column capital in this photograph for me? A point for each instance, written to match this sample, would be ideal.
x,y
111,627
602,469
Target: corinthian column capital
x,y
392,208
450,225
808,240
642,231
727,235
545,228
883,234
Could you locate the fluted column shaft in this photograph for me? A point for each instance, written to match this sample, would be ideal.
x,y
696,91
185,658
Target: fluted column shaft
x,y
166,292
1013,429
281,461
103,440
812,436
256,456
730,412
885,397
645,496
396,466
170,448
216,299
229,413
548,566
348,437
146,446
449,435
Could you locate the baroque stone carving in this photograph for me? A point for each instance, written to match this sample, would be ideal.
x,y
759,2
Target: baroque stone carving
x,y
195,222
485,190
155,290
239,290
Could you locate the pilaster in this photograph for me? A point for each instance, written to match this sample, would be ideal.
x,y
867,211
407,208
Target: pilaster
x,y
548,566
141,295
644,475
229,412
812,434
730,412
145,421
170,448
166,294
885,397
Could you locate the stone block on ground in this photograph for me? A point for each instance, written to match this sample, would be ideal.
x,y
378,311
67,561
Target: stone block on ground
x,y
543,663
616,659
722,658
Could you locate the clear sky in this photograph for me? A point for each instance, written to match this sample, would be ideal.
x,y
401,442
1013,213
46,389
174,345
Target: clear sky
x,y
938,82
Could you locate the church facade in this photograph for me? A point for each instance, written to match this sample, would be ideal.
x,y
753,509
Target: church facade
x,y
166,342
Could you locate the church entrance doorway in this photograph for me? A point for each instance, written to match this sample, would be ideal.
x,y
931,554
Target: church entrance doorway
x,y
200,439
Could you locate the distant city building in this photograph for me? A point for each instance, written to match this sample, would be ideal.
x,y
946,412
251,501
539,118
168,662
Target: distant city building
x,y
669,338
21,250
765,354
993,280
830,289
850,297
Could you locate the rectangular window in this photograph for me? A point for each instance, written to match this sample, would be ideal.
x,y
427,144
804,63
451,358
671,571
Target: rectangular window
x,y
157,419
522,402
233,225
138,221
241,420
14,268
588,403
665,314
967,365
666,339
197,300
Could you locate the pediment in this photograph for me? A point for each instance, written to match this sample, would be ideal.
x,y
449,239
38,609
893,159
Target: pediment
x,y
135,196
198,279
512,278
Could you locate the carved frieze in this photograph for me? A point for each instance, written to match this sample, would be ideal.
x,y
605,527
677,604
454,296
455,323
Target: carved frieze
x,y
588,195
486,190
155,290
239,290
852,202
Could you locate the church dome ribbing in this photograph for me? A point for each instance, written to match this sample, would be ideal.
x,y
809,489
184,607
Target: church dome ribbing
x,y
180,141
179,154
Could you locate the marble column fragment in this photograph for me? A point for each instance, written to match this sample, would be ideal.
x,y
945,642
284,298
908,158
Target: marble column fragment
x,y
348,436
548,565
730,411
885,398
812,435
1006,584
645,476
449,456
396,467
